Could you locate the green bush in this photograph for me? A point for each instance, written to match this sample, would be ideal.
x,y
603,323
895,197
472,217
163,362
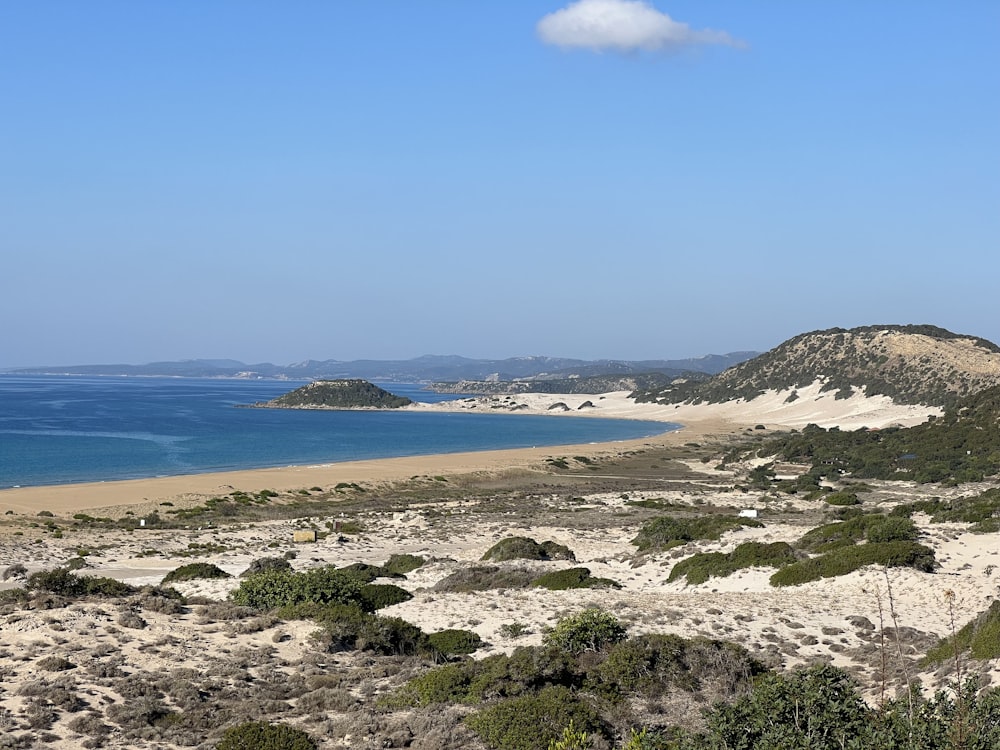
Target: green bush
x,y
262,564
813,709
847,532
666,532
484,577
655,665
454,642
64,583
378,595
194,571
525,548
531,722
573,578
844,560
261,735
445,684
892,529
980,637
526,670
366,573
700,567
842,498
346,627
341,623
593,629
400,565
981,510
392,636
278,588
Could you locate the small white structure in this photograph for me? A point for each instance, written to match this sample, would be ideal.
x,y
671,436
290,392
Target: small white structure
x,y
748,513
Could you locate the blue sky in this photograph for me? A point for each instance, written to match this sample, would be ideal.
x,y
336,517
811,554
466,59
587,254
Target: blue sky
x,y
607,179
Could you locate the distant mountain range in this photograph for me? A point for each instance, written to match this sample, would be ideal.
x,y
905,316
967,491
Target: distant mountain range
x,y
426,369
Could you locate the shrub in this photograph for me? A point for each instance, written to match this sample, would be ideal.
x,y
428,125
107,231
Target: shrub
x,y
130,619
980,636
892,529
378,595
260,735
816,708
666,532
573,578
58,581
62,582
482,577
452,642
528,669
531,722
840,533
391,636
364,572
403,564
592,629
842,498
17,570
844,560
55,664
514,629
277,588
656,665
980,510
704,565
262,564
525,548
445,684
193,571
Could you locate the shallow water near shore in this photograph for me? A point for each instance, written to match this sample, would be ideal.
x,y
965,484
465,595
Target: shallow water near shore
x,y
59,430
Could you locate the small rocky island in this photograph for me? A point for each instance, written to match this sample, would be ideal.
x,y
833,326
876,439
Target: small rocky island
x,y
336,394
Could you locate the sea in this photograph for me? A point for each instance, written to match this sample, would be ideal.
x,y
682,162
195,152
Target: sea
x,y
65,429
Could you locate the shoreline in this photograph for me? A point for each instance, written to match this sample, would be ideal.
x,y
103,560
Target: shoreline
x,y
696,421
64,499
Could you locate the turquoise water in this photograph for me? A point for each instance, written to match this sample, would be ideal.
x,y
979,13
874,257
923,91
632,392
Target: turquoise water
x,y
56,430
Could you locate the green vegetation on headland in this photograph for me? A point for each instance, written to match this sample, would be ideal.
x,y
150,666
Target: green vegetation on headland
x,y
337,394
874,359
963,445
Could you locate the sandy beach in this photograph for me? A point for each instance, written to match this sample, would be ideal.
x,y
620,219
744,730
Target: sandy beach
x,y
698,422
449,510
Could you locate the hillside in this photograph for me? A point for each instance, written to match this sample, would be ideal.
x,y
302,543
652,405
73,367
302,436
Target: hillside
x,y
429,368
337,394
961,446
911,364
591,384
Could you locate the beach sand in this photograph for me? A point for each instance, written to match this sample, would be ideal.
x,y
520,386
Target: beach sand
x,y
449,509
698,422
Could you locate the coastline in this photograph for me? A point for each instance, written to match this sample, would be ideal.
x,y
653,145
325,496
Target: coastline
x,y
403,510
64,499
697,422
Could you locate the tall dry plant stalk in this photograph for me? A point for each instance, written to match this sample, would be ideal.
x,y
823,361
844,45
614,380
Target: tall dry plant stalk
x,y
958,728
883,657
899,648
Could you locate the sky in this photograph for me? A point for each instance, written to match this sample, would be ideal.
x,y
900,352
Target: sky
x,y
614,179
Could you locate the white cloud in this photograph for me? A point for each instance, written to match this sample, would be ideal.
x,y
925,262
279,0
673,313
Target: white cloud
x,y
622,26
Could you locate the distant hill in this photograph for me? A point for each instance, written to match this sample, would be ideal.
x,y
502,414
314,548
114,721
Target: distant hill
x,y
426,369
912,364
960,446
592,384
337,394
